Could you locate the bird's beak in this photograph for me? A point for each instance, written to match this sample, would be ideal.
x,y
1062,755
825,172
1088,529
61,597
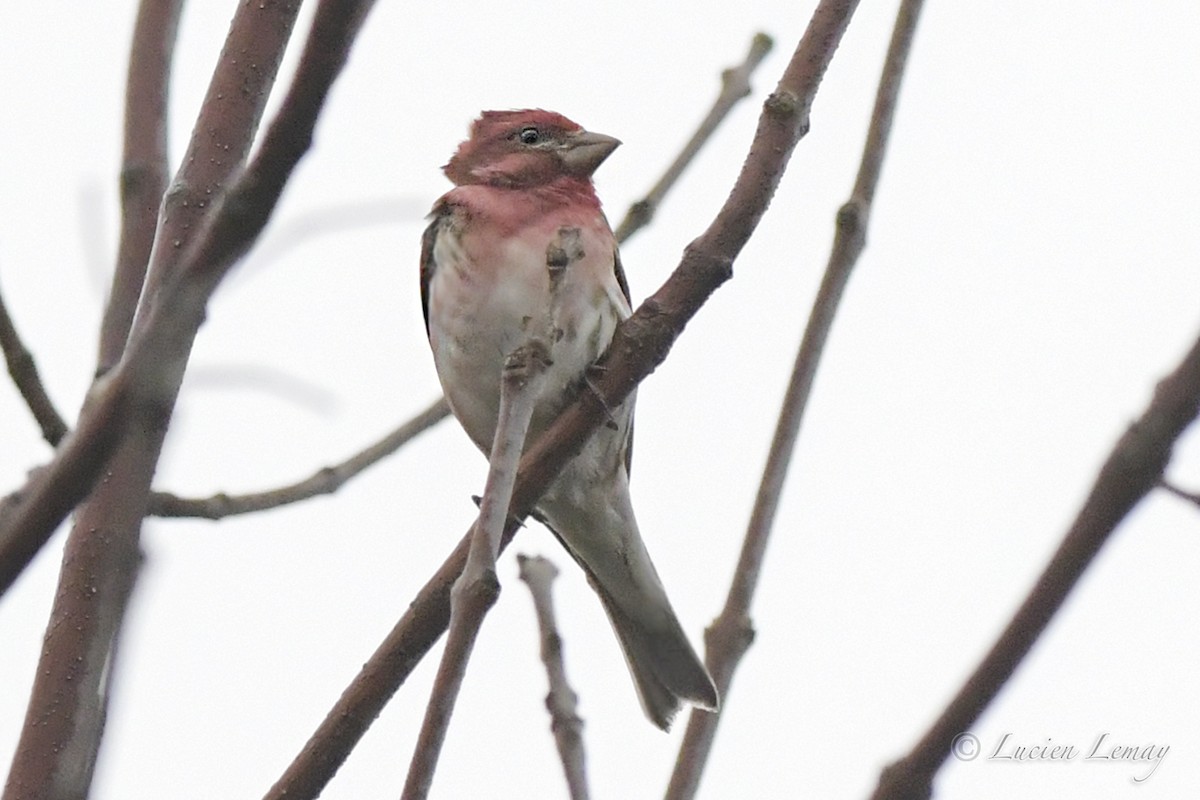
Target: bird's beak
x,y
586,150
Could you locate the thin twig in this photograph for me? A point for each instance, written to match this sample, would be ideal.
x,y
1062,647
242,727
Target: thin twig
x,y
735,85
476,589
1133,468
731,634
295,231
561,701
326,480
1182,494
24,372
641,343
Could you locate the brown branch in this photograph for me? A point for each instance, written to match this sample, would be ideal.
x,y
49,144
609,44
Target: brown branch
x,y
144,167
24,372
158,349
64,723
731,634
1182,494
561,701
639,346
1133,468
735,85
477,588
294,232
326,480
34,511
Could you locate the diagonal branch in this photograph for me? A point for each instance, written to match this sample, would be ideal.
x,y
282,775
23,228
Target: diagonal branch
x,y
326,480
477,588
1131,471
639,346
731,633
735,86
24,372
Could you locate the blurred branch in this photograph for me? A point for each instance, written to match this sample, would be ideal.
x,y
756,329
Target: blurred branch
x,y
263,379
731,634
289,234
144,169
640,344
24,372
1182,494
735,85
477,588
561,701
326,480
1133,468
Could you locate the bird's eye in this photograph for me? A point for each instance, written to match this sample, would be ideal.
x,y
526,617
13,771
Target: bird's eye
x,y
529,135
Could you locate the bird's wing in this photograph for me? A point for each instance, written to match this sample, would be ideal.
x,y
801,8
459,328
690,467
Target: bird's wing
x,y
441,212
619,272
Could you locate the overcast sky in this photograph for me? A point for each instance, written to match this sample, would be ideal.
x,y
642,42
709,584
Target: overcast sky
x,y
1033,267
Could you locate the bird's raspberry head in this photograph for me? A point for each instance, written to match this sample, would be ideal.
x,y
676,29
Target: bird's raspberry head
x,y
527,148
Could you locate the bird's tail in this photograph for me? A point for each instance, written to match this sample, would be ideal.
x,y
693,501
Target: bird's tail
x,y
600,532
665,668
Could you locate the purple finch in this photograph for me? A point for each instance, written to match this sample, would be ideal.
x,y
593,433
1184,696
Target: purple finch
x,y
520,248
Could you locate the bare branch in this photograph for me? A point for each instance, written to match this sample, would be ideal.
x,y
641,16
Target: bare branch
x,y
64,723
149,374
1182,494
735,85
732,632
326,480
1133,468
639,346
288,234
476,590
562,702
144,167
24,372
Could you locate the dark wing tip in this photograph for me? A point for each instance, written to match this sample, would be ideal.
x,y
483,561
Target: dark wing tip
x,y
437,217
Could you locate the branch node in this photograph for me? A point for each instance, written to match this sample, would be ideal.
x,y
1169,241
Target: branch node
x,y
480,592
710,265
728,638
761,43
851,225
782,105
527,361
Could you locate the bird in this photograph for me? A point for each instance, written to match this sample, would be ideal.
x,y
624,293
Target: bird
x,y
520,247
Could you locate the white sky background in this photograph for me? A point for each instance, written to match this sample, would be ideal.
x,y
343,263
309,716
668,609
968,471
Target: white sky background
x,y
1033,268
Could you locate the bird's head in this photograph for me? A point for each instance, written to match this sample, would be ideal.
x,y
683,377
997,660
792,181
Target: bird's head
x,y
527,148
